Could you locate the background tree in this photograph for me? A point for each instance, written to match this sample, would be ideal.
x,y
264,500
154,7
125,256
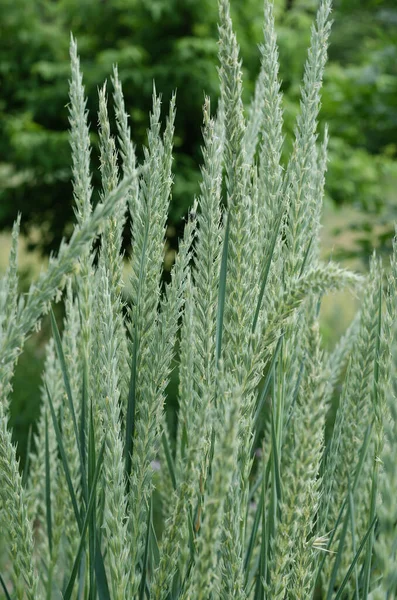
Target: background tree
x,y
173,42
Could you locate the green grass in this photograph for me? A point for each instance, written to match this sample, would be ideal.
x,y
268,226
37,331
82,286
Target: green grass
x,y
258,491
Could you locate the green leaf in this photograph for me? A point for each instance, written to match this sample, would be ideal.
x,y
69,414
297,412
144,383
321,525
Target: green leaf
x,y
266,269
253,535
65,375
83,424
355,559
146,552
154,547
64,460
169,459
100,573
92,533
3,585
275,498
27,460
306,256
48,487
362,456
262,572
61,357
91,503
276,464
131,403
353,530
222,290
268,379
372,515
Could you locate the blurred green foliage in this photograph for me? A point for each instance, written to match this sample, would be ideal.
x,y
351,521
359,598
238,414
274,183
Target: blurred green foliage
x,y
173,42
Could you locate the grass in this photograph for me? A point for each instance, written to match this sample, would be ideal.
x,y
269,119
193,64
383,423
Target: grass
x,y
258,493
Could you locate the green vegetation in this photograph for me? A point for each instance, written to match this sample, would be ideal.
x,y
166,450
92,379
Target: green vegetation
x,y
258,494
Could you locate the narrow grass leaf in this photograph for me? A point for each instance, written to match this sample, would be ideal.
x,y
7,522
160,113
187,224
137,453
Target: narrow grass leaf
x,y
91,503
146,552
100,572
83,424
169,459
370,545
48,487
131,403
338,558
82,569
353,530
268,379
65,375
130,424
272,470
355,559
3,585
222,290
27,461
306,256
64,460
154,547
253,535
266,269
276,464
92,524
262,572
62,361
362,456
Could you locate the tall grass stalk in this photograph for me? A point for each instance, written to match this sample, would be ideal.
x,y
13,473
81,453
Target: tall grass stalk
x,y
259,493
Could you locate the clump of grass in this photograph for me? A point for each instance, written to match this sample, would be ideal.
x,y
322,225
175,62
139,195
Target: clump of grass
x,y
251,500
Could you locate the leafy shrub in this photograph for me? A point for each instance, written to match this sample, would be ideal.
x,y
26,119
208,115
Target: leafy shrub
x,y
247,501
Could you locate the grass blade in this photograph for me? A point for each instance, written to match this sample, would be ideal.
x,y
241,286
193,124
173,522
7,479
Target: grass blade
x,y
3,585
80,589
146,552
91,502
353,530
254,532
64,460
276,464
100,573
268,379
338,558
363,454
92,524
130,425
266,270
262,572
131,404
222,290
355,559
65,375
306,256
372,514
154,547
83,424
48,487
27,461
170,461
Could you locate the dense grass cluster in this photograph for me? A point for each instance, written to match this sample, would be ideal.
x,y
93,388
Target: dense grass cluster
x,y
248,500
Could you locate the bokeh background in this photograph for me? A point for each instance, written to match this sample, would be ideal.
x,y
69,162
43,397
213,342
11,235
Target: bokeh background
x,y
174,43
